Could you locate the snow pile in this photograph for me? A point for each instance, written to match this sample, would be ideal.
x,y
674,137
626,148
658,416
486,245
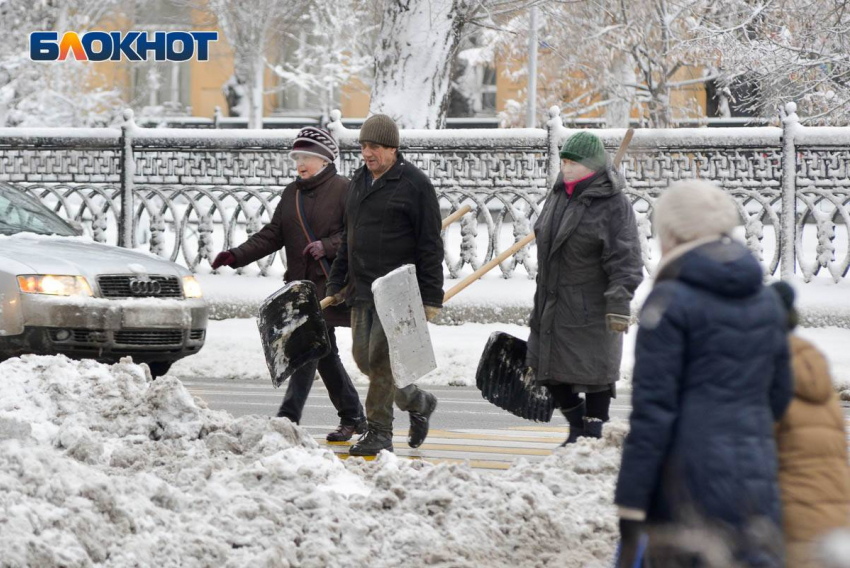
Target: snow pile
x,y
101,466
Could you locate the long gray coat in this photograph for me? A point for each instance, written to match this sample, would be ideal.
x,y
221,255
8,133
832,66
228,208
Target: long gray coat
x,y
589,264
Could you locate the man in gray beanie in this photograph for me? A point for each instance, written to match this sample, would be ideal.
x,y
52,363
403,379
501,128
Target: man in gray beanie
x,y
392,219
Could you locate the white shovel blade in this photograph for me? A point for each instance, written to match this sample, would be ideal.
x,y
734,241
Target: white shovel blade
x,y
399,306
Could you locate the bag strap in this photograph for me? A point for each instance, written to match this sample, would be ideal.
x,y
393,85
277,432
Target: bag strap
x,y
311,237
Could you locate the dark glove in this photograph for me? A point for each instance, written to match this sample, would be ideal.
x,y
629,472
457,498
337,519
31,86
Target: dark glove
x,y
631,547
225,258
617,323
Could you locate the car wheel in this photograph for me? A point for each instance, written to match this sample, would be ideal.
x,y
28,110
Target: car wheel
x,y
159,368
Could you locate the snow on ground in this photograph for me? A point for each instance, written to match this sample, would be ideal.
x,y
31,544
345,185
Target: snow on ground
x,y
821,302
233,350
100,466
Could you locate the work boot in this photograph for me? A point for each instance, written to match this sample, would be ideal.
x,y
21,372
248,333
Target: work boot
x,y
575,418
419,423
592,428
344,432
371,443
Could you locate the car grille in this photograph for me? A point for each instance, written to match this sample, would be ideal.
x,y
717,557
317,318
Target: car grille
x,y
120,286
196,334
149,337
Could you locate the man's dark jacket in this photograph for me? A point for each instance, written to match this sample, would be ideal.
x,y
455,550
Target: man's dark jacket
x,y
324,207
390,222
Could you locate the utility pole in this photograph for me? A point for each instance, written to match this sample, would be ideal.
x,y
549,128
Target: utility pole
x,y
531,117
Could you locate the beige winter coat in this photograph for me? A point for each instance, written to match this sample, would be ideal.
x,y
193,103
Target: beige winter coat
x,y
814,475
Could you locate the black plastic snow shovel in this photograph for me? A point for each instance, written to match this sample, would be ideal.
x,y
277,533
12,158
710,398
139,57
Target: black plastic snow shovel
x,y
500,380
292,329
501,370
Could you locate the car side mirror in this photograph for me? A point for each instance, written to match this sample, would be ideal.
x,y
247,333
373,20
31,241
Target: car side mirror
x,y
77,226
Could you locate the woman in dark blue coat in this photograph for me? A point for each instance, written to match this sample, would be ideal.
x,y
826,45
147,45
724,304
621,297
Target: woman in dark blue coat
x,y
711,377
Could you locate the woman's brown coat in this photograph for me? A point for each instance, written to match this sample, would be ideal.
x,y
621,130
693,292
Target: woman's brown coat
x,y
814,475
324,207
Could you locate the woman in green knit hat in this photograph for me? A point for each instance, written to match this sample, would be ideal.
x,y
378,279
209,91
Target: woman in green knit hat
x,y
589,265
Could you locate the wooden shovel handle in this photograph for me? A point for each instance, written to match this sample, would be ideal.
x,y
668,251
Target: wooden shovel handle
x,y
624,145
456,215
488,267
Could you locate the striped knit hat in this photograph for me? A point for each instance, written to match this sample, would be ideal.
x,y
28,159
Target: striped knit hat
x,y
315,142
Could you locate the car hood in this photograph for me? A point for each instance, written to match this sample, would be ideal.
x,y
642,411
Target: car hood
x,y
80,256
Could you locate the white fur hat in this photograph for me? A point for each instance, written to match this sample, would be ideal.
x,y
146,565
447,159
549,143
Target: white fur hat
x,y
693,209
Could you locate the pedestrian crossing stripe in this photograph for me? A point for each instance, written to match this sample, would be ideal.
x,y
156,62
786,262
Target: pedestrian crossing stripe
x,y
558,429
475,464
477,449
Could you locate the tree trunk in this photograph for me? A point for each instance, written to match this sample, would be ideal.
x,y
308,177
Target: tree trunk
x,y
416,46
255,118
618,114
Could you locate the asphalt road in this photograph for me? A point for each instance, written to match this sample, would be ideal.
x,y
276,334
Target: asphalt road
x,y
459,408
464,428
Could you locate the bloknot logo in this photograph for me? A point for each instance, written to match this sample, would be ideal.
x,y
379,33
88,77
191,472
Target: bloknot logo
x,y
117,46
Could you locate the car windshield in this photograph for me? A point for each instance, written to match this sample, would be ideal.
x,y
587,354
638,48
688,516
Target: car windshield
x,y
22,214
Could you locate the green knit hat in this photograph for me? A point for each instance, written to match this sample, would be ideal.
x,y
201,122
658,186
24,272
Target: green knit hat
x,y
380,129
585,148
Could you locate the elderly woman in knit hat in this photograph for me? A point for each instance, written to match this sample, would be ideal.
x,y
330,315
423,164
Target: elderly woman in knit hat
x,y
711,376
589,266
308,224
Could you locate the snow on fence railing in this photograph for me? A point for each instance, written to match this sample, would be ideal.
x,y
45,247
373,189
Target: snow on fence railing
x,y
185,194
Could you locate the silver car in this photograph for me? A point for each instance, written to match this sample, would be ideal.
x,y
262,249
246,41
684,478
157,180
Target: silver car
x,y
61,293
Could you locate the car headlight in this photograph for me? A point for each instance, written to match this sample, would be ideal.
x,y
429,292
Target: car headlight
x,y
191,287
54,285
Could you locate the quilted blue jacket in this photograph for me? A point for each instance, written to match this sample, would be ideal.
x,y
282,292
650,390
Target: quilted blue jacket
x,y
711,376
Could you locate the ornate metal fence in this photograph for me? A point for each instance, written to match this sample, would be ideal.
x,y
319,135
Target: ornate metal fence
x,y
184,195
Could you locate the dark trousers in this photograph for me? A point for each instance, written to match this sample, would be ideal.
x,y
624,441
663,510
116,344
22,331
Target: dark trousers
x,y
598,403
340,388
372,355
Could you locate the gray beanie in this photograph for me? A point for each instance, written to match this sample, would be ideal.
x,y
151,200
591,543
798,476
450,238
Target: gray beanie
x,y
690,210
380,129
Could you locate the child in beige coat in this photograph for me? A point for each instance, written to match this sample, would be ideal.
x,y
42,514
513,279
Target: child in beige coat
x,y
814,475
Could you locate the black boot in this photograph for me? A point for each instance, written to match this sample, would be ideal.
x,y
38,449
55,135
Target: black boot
x,y
371,443
575,418
344,432
592,428
420,423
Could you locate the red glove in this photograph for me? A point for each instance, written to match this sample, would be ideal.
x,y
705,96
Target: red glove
x,y
225,258
316,249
